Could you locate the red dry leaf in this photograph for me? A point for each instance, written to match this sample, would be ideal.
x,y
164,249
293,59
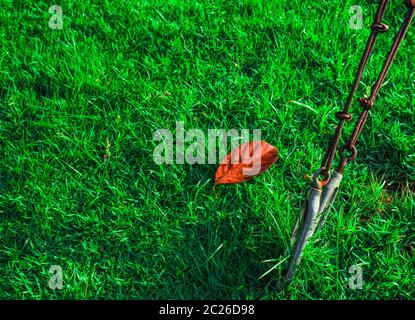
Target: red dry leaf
x,y
245,162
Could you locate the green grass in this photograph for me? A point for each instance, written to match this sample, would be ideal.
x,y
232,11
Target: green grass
x,y
127,228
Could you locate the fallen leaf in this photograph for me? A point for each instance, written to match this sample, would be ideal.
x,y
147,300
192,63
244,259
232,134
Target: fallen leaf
x,y
245,162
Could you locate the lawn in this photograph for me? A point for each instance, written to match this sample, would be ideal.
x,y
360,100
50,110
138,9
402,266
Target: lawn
x,y
79,187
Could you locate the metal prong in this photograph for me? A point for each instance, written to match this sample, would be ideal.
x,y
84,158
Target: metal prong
x,y
313,205
299,225
329,195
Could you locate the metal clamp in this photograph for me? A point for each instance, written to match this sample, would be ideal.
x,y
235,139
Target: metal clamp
x,y
312,213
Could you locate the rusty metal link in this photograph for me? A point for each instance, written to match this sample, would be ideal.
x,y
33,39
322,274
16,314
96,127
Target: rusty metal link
x,y
380,27
344,116
345,159
365,103
351,149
